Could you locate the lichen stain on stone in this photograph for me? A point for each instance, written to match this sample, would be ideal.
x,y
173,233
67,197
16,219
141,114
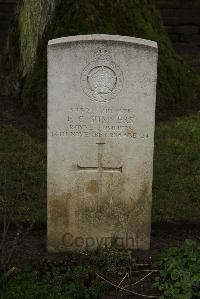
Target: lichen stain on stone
x,y
93,187
74,167
59,209
131,132
143,200
109,211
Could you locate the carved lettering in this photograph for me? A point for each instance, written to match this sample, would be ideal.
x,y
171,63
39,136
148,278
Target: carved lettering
x,y
103,122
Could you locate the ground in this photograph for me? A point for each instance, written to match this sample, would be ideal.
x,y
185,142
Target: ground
x,y
163,237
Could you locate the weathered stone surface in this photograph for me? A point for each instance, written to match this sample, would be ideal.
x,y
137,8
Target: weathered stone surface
x,y
101,111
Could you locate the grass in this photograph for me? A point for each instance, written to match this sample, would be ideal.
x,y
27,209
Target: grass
x,y
176,185
177,171
22,174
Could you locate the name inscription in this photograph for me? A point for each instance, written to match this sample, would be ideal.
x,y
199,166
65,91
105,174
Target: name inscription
x,y
102,122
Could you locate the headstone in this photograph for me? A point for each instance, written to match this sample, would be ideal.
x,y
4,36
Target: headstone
x,y
101,114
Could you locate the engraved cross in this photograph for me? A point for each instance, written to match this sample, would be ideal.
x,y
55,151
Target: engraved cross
x,y
100,168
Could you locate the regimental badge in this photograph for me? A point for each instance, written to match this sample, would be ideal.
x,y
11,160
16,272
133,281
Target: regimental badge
x,y
102,78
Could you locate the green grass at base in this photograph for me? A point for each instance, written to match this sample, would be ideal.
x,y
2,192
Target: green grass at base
x,y
176,188
22,175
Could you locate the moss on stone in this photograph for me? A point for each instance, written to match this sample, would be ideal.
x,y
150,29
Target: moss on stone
x,y
177,85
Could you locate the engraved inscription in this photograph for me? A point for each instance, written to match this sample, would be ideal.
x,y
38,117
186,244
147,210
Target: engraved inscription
x,y
101,122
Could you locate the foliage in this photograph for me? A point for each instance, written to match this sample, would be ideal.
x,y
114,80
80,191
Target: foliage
x,y
10,75
73,276
179,275
54,281
113,261
9,246
178,87
176,186
33,19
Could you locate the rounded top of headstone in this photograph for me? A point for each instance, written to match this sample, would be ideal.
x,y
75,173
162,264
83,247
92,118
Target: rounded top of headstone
x,y
102,38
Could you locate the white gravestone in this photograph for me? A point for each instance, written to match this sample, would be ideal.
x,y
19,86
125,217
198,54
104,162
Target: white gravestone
x,y
101,114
